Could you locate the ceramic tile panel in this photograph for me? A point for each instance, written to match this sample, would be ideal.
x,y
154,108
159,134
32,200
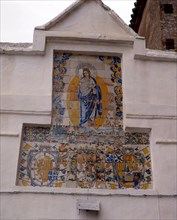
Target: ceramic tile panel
x,y
85,146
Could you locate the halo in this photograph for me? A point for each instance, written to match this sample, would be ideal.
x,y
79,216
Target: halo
x,y
80,67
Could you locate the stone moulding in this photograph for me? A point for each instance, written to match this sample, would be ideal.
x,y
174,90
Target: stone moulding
x,y
54,36
22,112
9,134
100,38
156,55
75,191
139,116
167,142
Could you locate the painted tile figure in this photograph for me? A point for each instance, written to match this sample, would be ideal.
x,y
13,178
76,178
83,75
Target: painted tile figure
x,y
90,97
85,146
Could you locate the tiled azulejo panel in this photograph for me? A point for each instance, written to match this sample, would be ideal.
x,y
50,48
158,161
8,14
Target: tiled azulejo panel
x,y
85,147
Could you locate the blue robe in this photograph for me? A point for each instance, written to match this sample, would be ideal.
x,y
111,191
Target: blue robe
x,y
90,103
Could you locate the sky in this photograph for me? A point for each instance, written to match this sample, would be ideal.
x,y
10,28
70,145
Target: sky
x,y
19,18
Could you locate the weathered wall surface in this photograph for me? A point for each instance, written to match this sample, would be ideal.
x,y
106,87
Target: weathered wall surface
x,y
169,23
157,26
148,26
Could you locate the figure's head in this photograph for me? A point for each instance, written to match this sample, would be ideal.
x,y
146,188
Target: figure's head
x,y
86,72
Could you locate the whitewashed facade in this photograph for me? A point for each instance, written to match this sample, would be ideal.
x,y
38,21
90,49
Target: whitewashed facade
x,y
150,104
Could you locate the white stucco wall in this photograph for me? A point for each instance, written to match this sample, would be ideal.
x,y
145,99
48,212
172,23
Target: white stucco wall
x,y
150,102
149,89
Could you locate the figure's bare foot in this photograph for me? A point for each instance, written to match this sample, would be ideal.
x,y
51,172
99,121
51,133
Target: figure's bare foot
x,y
91,123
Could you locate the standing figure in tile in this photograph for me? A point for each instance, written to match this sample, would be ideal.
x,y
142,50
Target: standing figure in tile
x,y
90,98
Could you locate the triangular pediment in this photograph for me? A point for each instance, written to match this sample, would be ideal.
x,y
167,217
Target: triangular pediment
x,y
89,17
